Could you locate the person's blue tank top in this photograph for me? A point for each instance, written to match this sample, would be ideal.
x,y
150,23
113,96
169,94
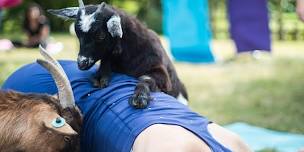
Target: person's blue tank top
x,y
110,123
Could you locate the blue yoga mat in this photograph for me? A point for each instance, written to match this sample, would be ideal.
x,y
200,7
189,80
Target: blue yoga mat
x,y
260,138
186,24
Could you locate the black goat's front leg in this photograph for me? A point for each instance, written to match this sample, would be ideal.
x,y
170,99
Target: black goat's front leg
x,y
103,74
157,79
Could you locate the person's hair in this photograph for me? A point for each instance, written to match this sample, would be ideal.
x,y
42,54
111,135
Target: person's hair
x,y
27,12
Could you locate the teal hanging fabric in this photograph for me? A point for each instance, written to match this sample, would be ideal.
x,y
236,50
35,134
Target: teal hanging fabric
x,y
186,25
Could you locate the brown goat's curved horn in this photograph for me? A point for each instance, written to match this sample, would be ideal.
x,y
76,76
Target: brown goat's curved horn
x,y
49,58
65,92
81,4
67,87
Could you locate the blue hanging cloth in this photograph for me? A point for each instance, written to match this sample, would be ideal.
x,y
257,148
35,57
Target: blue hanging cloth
x,y
186,24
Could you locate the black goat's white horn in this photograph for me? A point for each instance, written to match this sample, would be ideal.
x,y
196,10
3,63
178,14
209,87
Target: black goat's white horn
x,y
100,6
81,4
65,92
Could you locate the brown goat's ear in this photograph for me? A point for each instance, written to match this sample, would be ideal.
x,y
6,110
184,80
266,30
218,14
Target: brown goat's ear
x,y
56,123
55,96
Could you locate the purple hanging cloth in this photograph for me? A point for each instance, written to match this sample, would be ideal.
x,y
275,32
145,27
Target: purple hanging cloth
x,y
249,25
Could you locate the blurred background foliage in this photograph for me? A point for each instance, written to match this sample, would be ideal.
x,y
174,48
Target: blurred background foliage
x,y
147,11
284,22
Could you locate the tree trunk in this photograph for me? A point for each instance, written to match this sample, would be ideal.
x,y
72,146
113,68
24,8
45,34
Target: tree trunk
x,y
280,21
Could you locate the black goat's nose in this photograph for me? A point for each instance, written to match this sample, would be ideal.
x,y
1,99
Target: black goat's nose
x,y
83,62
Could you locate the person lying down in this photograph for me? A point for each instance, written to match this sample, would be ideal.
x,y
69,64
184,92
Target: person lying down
x,y
110,124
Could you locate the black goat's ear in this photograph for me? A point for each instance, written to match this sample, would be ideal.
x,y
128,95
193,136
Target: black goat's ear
x,y
65,13
55,96
114,26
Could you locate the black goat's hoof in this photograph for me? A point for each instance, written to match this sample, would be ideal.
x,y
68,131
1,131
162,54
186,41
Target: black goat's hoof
x,y
95,83
100,83
140,100
103,82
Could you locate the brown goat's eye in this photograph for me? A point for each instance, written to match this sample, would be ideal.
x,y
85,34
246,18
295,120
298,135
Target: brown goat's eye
x,y
67,138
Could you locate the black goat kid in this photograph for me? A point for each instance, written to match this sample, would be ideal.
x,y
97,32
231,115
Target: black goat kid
x,y
123,45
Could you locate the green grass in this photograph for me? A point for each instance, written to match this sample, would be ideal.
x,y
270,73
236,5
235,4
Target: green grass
x,y
267,93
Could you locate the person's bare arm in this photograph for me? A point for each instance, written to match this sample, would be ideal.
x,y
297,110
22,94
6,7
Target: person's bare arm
x,y
300,9
32,40
44,32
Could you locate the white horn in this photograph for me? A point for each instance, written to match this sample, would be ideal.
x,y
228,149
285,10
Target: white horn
x,y
100,6
65,92
49,58
81,4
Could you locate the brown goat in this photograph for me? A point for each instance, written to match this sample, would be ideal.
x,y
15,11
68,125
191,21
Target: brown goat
x,y
27,120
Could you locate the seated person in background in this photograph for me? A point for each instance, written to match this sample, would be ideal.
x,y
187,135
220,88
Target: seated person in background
x,y
300,9
36,27
110,124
